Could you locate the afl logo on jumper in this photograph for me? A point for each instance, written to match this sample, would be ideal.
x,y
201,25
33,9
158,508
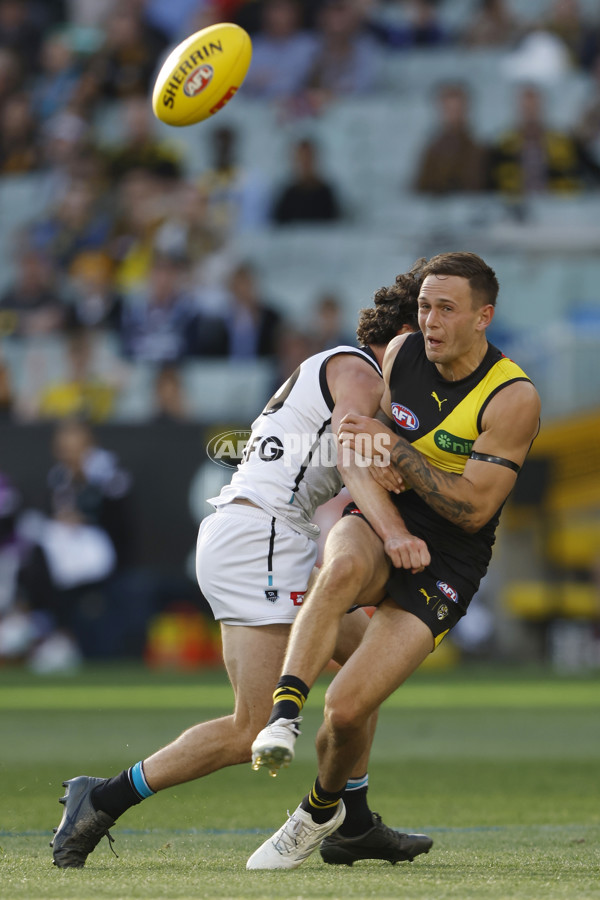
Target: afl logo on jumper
x,y
404,417
448,591
198,80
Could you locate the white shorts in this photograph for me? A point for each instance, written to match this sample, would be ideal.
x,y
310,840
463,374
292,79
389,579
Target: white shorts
x,y
252,569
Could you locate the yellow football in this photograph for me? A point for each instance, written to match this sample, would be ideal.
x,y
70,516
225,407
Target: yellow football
x,y
202,74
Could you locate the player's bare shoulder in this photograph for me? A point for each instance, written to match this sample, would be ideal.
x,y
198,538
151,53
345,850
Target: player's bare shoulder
x,y
354,383
390,354
517,406
347,369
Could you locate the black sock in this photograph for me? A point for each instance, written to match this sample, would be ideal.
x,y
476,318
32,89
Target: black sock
x,y
321,804
115,795
359,817
288,698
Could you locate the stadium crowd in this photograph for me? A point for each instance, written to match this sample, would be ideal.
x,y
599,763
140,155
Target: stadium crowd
x,y
130,259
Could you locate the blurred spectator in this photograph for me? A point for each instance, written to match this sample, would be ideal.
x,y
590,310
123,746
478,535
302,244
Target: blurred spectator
x,y
588,127
347,58
94,300
174,19
206,13
568,22
6,392
90,14
454,160
33,303
237,195
141,206
493,25
20,32
161,324
26,590
19,152
327,324
10,74
422,27
308,197
282,52
87,537
54,86
88,486
170,402
189,230
532,157
139,147
65,144
89,385
128,60
79,221
293,346
253,324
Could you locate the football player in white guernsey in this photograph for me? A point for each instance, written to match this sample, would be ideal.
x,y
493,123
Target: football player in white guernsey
x,y
255,557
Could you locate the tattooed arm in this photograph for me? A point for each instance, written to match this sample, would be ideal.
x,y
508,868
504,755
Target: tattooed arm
x,y
471,499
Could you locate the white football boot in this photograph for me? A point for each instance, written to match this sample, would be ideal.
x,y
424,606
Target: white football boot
x,y
273,747
295,841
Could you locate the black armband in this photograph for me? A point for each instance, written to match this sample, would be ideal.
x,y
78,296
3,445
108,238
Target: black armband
x,y
498,460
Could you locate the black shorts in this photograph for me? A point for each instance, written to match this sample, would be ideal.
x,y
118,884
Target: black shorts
x,y
432,595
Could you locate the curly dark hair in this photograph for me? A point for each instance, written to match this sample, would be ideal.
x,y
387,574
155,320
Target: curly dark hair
x,y
482,279
394,306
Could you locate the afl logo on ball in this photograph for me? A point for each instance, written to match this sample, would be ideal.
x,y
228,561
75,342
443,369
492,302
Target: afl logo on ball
x,y
404,417
198,80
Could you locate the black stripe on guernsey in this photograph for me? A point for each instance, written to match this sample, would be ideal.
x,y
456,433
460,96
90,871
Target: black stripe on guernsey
x,y
365,354
493,394
271,547
498,460
306,463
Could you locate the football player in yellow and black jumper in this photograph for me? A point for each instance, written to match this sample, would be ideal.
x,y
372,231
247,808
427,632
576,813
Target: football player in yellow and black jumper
x,y
459,420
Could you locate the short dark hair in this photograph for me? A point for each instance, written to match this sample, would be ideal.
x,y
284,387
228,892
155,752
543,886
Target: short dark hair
x,y
394,307
482,279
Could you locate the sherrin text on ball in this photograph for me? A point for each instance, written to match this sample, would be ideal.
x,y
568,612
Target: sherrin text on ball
x,y
202,74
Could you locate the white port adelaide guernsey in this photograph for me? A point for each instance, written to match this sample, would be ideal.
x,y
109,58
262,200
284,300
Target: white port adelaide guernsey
x,y
290,461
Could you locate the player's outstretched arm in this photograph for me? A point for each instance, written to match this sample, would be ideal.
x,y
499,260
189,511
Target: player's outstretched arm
x,y
468,500
354,385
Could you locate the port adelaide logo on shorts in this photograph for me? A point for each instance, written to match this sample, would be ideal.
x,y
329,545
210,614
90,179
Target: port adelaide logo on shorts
x,y
272,594
405,417
198,80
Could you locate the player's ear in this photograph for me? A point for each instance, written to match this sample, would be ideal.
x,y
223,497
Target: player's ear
x,y
486,314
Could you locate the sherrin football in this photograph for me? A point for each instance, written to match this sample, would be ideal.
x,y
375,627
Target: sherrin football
x,y
202,74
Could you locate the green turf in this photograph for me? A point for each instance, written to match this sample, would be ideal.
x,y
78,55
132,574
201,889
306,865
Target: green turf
x,y
501,768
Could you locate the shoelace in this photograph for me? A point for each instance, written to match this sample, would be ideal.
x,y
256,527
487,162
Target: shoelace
x,y
289,725
111,841
292,831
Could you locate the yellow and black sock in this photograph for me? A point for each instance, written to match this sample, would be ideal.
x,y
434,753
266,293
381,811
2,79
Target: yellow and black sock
x,y
321,804
288,698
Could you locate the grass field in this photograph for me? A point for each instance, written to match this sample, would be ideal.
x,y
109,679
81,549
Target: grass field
x,y
501,768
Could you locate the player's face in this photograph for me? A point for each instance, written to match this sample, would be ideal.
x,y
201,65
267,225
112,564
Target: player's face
x,y
452,324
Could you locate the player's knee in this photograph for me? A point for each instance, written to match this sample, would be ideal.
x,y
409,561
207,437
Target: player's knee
x,y
345,569
342,718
